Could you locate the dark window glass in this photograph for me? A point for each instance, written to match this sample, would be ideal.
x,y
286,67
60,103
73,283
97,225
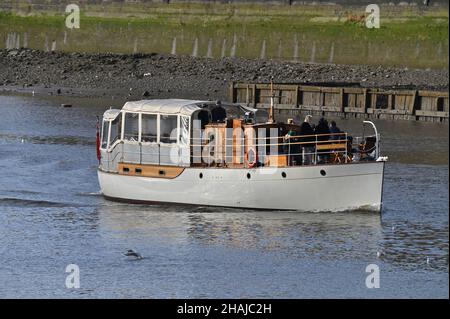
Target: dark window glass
x,y
168,129
149,128
131,131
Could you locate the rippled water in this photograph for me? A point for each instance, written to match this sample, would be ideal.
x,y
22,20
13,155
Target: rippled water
x,y
51,215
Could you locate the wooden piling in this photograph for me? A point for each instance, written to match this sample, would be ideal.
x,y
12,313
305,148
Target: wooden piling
x,y
346,101
195,48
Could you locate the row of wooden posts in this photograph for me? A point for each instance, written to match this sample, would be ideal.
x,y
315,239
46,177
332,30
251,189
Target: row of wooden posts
x,y
263,52
228,48
291,99
14,40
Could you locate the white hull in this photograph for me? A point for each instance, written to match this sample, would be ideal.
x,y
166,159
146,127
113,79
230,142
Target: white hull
x,y
344,187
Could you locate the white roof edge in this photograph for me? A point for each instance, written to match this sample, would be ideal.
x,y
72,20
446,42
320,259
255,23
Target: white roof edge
x,y
110,114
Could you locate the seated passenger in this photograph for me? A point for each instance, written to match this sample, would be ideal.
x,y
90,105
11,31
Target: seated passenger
x,y
308,148
293,148
323,131
322,128
334,130
296,148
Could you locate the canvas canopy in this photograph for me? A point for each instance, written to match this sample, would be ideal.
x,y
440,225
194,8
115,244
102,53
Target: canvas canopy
x,y
184,107
172,106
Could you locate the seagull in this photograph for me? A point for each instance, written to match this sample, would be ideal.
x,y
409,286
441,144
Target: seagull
x,y
428,260
133,253
378,254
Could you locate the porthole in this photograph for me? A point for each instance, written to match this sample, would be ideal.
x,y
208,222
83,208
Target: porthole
x,y
283,174
249,175
200,175
322,172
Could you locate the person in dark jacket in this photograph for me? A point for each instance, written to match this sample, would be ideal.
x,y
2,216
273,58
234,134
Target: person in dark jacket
x,y
293,148
321,130
307,149
334,130
306,129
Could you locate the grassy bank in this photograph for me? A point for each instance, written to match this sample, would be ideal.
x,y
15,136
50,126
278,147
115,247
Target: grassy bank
x,y
408,36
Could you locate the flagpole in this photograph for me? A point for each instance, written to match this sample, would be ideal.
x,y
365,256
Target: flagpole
x,y
271,110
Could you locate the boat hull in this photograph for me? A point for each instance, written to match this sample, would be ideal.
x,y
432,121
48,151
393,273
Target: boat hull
x,y
302,188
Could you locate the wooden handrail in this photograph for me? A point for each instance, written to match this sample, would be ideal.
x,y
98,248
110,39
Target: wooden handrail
x,y
265,138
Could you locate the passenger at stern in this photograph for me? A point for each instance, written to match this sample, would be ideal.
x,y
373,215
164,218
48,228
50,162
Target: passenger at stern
x,y
323,132
307,149
335,131
293,147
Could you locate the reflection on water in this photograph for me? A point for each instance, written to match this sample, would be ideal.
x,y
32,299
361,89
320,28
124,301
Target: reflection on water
x,y
330,233
51,214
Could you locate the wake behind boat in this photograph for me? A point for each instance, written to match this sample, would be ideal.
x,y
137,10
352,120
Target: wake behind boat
x,y
230,155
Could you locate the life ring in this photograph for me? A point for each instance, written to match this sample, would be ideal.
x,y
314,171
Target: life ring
x,y
254,155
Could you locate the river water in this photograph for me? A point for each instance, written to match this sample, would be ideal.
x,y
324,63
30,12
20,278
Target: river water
x,y
52,215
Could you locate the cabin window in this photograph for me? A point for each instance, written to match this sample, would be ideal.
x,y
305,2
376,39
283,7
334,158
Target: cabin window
x,y
168,129
184,130
115,130
149,128
105,134
131,130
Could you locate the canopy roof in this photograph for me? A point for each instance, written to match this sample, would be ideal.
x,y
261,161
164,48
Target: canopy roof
x,y
168,106
185,107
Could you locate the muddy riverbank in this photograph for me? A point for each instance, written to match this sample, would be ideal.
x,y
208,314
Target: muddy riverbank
x,y
163,76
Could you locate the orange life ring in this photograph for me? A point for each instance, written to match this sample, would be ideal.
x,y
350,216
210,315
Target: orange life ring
x,y
254,155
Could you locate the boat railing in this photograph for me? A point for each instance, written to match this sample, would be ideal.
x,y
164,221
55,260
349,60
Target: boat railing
x,y
309,149
216,150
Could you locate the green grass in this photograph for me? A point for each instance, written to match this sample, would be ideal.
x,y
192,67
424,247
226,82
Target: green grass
x,y
407,37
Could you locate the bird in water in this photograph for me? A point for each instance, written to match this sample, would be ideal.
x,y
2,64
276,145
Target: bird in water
x,y
133,253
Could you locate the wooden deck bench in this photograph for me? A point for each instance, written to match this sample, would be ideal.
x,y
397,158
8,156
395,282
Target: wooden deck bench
x,y
331,146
